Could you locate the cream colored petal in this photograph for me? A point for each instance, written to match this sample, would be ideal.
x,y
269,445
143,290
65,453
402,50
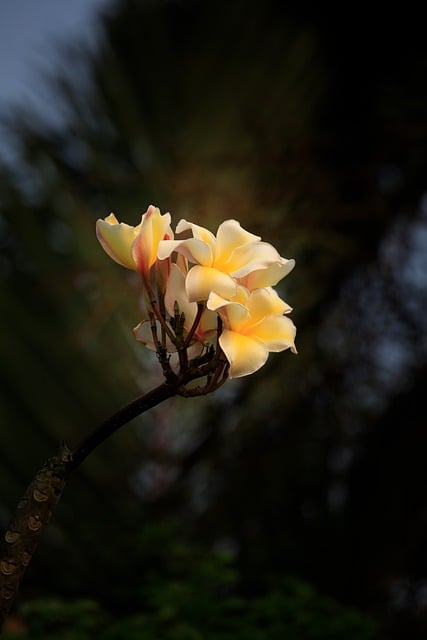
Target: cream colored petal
x,y
231,235
215,302
250,257
270,275
265,302
193,249
241,296
234,312
175,291
166,248
244,354
116,239
201,281
237,316
277,333
208,325
198,232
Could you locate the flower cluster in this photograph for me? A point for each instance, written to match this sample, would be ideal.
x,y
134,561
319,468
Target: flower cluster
x,y
204,292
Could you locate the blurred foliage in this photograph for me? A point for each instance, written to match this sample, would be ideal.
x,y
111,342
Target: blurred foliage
x,y
310,128
194,594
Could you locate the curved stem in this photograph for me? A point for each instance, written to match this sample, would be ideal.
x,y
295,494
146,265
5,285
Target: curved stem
x,y
200,308
119,419
153,303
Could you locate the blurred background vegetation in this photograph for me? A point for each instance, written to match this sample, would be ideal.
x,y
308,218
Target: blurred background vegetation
x,y
291,503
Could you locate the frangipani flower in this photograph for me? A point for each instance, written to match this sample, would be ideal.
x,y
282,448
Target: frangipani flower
x,y
135,247
254,325
201,292
220,262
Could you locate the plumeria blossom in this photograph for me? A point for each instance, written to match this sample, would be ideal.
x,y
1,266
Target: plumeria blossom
x,y
135,247
254,325
221,261
208,299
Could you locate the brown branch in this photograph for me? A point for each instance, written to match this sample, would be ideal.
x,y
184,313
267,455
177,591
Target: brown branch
x,y
34,510
31,516
119,419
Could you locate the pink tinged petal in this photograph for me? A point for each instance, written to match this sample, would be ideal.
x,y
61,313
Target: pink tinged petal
x,y
201,281
231,235
176,292
193,249
198,232
269,276
244,354
159,226
153,228
277,333
162,270
116,239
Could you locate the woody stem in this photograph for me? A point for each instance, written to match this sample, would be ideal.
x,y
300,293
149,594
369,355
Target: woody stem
x,y
119,419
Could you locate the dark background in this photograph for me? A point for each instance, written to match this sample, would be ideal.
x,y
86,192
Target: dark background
x,y
308,125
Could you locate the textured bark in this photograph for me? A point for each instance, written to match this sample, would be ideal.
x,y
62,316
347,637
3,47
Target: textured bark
x,y
31,516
